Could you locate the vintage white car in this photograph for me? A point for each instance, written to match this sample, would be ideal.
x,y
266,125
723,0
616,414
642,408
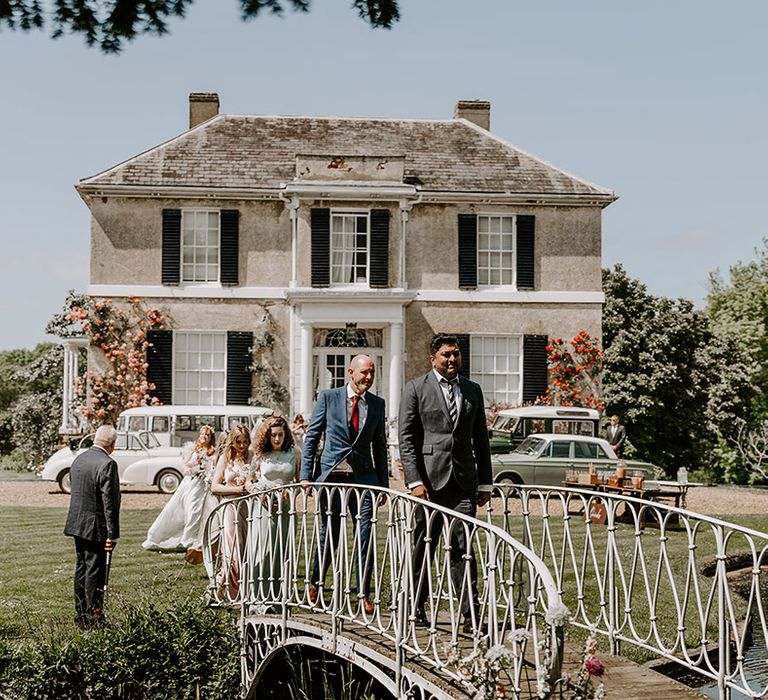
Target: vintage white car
x,y
141,460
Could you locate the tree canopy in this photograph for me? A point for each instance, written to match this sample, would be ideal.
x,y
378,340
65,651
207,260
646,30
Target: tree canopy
x,y
109,23
738,309
680,387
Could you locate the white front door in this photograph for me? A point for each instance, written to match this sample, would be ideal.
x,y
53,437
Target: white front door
x,y
330,358
330,368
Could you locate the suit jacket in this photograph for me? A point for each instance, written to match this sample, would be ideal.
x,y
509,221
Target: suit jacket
x,y
366,454
616,438
433,450
94,504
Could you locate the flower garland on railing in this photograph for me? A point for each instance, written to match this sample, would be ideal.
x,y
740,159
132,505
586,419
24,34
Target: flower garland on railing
x,y
120,335
484,669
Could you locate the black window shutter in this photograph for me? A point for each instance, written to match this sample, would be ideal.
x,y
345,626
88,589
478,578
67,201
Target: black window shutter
x,y
321,247
239,344
160,365
534,367
229,260
379,244
171,272
464,346
467,251
526,228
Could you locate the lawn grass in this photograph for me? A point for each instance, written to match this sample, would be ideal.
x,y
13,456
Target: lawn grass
x,y
38,563
666,573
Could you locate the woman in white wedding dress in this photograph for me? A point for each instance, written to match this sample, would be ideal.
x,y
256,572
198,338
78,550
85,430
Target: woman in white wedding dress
x,y
275,465
178,525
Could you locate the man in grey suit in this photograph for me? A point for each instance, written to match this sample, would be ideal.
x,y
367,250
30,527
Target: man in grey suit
x,y
94,521
446,459
352,420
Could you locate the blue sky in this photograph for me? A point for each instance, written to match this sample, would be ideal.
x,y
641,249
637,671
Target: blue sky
x,y
664,102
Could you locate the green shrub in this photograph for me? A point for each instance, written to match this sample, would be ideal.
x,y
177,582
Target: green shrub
x,y
184,651
36,420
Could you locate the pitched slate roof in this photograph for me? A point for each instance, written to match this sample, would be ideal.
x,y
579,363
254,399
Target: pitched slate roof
x,y
253,152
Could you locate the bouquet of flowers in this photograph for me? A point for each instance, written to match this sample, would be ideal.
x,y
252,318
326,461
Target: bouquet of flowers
x,y
241,473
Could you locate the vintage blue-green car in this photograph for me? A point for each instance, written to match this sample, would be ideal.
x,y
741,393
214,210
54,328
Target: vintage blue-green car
x,y
545,458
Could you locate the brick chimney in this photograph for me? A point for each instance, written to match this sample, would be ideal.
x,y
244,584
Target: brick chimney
x,y
202,107
476,111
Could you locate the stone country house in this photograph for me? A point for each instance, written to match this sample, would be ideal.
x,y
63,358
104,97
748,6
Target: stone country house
x,y
318,238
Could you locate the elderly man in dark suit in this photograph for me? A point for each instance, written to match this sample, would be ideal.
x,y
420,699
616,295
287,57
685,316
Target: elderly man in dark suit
x,y
446,459
352,419
94,521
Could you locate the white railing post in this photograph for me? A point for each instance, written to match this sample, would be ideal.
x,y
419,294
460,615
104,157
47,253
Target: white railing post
x,y
723,637
610,565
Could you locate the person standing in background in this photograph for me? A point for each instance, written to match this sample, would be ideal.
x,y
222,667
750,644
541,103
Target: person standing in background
x,y
616,436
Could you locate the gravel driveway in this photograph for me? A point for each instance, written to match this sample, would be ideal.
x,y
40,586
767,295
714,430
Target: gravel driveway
x,y
713,500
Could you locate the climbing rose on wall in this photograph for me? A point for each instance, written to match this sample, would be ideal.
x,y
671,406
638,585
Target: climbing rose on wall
x,y
119,335
574,372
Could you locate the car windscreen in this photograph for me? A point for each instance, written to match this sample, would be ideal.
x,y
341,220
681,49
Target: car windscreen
x,y
149,440
531,445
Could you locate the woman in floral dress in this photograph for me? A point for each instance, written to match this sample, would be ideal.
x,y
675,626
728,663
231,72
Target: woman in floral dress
x,y
231,480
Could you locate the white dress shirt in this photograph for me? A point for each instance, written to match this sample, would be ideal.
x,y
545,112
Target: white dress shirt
x,y
362,407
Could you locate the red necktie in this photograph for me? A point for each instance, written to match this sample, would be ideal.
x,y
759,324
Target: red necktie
x,y
354,420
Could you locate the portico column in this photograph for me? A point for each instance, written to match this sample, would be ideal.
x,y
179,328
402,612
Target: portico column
x,y
305,371
395,373
69,381
66,389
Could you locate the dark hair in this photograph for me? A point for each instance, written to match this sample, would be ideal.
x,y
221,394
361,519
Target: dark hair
x,y
440,339
263,442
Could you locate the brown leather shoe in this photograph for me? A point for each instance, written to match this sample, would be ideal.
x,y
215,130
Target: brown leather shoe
x,y
368,607
193,556
313,594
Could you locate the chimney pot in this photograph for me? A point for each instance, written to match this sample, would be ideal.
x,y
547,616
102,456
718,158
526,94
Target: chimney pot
x,y
202,107
476,111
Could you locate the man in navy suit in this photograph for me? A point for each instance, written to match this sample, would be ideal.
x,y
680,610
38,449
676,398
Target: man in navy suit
x,y
355,452
94,521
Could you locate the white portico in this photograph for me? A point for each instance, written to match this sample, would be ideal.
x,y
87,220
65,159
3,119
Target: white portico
x,y
330,327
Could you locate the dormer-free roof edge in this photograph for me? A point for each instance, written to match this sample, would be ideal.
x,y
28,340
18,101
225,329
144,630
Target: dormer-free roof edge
x,y
487,134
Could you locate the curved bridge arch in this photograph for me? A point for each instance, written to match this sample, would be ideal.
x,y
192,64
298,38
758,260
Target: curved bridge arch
x,y
260,550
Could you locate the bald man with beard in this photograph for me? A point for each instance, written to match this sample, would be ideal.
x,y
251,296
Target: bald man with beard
x,y
353,423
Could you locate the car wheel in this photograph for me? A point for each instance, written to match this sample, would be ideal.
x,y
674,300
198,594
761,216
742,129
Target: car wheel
x,y
508,479
64,482
168,480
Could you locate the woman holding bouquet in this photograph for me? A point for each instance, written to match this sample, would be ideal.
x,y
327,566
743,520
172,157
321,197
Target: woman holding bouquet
x,y
275,464
231,480
178,525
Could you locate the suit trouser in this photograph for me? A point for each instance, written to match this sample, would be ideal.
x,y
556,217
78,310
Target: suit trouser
x,y
330,504
464,502
90,576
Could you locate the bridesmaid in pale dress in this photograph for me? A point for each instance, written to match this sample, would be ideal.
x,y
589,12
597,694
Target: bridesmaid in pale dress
x,y
275,465
178,525
231,480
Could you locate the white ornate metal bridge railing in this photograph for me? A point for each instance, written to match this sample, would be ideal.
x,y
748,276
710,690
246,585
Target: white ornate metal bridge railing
x,y
670,582
489,606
